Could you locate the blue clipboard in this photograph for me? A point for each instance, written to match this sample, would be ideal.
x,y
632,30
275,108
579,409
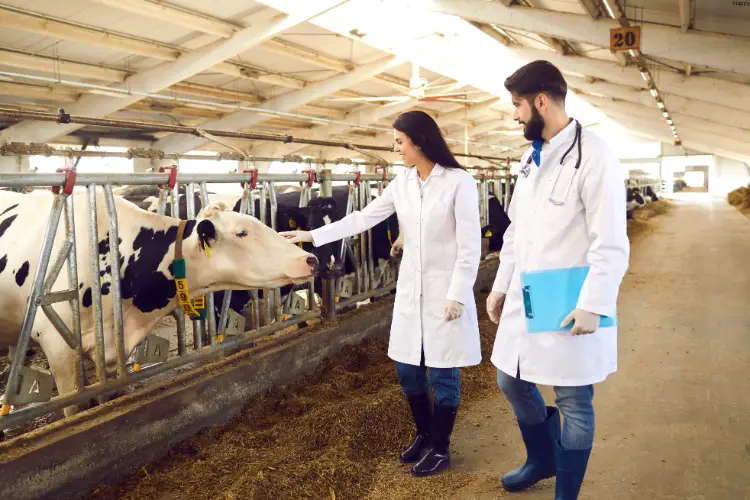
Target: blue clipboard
x,y
549,296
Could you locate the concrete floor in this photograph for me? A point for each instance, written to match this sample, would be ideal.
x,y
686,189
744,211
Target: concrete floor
x,y
674,421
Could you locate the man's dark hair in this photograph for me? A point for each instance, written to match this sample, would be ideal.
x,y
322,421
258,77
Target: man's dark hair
x,y
535,78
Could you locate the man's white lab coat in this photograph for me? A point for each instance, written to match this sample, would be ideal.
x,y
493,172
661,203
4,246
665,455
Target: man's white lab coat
x,y
588,229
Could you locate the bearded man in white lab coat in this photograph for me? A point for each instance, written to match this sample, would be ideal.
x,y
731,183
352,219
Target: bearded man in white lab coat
x,y
565,214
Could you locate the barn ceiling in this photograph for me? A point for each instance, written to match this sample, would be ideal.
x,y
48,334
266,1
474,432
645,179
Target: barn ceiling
x,y
344,69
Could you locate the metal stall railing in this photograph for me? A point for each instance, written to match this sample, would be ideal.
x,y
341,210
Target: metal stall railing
x,y
40,296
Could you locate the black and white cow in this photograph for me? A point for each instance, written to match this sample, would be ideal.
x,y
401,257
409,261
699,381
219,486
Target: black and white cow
x,y
245,254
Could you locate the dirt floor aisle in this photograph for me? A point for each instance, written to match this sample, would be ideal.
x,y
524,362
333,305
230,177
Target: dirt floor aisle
x,y
674,421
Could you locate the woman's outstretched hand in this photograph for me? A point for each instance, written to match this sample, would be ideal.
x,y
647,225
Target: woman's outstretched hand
x,y
297,236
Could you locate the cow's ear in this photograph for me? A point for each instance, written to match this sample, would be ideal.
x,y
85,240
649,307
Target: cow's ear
x,y
206,233
212,209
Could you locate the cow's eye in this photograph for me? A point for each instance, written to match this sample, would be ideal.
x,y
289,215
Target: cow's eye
x,y
241,234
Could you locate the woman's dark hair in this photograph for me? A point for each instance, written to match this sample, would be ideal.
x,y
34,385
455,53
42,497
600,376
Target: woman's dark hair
x,y
425,133
535,78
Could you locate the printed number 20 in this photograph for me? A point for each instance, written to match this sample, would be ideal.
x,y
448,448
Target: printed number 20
x,y
629,39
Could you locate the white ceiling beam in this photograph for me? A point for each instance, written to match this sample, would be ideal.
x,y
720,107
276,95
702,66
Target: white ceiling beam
x,y
365,117
265,24
283,103
480,129
722,52
685,15
49,27
592,8
468,112
696,87
689,138
61,67
724,115
711,134
174,15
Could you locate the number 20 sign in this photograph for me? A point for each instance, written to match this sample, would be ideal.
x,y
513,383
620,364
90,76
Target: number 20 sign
x,y
628,38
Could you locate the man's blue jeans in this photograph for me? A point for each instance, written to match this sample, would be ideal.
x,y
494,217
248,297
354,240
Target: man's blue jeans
x,y
575,404
446,382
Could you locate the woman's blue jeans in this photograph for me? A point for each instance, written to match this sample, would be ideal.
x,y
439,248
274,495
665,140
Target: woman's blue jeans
x,y
575,404
446,382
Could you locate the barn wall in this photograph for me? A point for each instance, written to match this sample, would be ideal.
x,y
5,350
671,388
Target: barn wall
x,y
727,176
69,458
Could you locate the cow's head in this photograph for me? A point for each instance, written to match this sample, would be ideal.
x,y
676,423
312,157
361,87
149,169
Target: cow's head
x,y
245,253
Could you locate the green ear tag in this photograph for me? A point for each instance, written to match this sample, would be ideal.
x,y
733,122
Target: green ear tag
x,y
179,269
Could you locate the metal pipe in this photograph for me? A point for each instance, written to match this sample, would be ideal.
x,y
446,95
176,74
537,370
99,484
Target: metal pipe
x,y
370,254
198,326
150,179
364,271
210,313
98,390
364,296
114,253
33,302
75,303
278,306
96,288
160,127
267,299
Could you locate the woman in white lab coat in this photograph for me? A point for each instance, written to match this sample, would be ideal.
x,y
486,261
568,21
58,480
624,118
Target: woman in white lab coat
x,y
567,211
434,316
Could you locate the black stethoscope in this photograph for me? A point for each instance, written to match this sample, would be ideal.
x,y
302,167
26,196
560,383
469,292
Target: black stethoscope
x,y
576,140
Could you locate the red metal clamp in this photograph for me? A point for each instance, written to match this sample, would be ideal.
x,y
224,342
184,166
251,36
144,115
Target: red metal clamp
x,y
253,178
70,181
172,175
385,174
310,176
357,177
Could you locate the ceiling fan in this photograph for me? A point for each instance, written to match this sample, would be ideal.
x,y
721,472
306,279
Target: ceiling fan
x,y
418,88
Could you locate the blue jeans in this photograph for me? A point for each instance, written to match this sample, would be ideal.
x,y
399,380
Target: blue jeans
x,y
575,404
446,382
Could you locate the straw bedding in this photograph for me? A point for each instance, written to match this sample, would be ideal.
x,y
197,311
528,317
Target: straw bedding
x,y
335,434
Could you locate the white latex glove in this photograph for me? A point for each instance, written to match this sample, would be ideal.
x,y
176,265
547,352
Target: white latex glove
x,y
585,322
398,245
297,236
453,310
495,301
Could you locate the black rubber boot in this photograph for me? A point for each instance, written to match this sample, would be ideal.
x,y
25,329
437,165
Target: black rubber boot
x,y
421,412
437,457
540,453
571,467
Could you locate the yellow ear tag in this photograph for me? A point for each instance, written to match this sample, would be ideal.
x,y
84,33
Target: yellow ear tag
x,y
207,249
488,234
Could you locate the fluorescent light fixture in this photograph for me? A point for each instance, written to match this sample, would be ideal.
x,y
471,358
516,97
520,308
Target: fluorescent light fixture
x,y
609,9
670,122
666,115
654,92
660,104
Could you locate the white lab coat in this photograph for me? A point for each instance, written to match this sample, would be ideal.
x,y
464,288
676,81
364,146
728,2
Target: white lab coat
x,y
441,254
588,229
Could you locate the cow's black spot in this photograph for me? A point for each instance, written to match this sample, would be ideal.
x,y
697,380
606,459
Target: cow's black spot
x,y
86,301
102,273
3,263
4,225
105,289
8,209
151,289
22,274
104,245
80,287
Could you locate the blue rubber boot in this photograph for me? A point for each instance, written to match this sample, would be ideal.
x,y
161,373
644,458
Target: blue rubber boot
x,y
571,467
540,453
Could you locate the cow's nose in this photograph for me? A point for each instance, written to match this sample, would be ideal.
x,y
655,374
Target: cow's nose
x,y
312,261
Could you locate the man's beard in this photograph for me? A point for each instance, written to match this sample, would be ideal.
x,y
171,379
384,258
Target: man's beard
x,y
532,130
